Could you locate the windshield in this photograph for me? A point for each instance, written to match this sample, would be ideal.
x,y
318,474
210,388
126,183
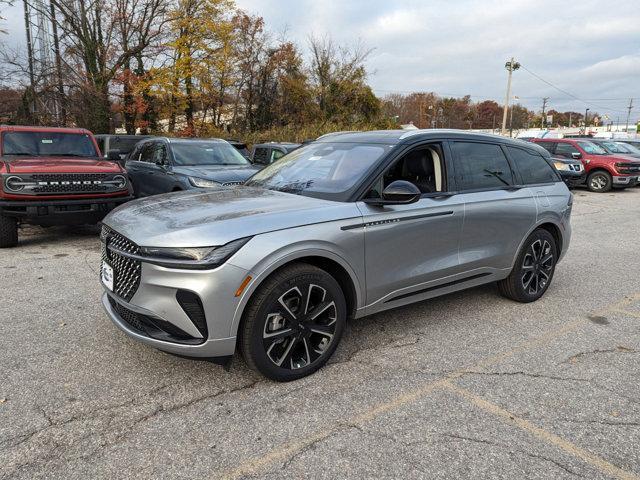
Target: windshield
x,y
630,148
191,153
48,144
592,148
325,170
613,147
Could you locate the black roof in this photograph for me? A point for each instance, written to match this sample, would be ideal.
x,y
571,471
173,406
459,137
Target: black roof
x,y
396,137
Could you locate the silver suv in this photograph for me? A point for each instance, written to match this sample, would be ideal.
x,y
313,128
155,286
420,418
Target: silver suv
x,y
346,226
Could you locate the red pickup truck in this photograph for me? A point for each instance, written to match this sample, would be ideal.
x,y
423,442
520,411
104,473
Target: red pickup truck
x,y
603,170
55,176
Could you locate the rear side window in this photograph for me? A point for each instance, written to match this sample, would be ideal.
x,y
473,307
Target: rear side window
x,y
548,146
532,167
480,166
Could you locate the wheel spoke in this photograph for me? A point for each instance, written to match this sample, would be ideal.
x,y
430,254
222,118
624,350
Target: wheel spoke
x,y
320,309
313,287
286,356
546,259
293,293
326,330
278,335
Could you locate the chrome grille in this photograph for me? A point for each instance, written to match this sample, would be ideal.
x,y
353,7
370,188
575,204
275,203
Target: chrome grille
x,y
126,271
229,184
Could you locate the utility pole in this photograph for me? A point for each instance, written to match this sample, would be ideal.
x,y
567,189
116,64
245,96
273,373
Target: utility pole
x,y
629,114
32,76
62,117
544,108
511,65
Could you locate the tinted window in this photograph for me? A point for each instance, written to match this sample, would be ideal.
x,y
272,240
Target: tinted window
x,y
548,146
566,150
261,156
125,145
147,153
480,166
100,142
54,144
532,167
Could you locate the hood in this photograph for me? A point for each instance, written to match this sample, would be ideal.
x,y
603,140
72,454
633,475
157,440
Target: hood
x,y
60,165
218,173
215,217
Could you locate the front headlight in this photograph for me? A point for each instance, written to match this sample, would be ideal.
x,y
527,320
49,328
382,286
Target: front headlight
x,y
561,166
202,258
202,182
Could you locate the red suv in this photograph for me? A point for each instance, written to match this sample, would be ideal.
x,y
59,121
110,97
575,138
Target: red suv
x,y
55,176
604,171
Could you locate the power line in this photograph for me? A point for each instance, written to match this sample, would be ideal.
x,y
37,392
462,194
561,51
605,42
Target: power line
x,y
570,94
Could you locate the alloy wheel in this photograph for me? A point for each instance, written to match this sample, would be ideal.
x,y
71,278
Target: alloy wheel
x,y
300,327
537,266
598,182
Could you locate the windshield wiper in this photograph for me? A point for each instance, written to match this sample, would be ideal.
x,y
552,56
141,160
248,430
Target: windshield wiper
x,y
21,153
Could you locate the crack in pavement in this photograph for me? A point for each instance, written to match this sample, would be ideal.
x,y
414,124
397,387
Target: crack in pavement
x,y
102,414
618,349
512,451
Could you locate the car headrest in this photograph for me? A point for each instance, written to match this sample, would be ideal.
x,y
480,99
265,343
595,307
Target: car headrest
x,y
419,163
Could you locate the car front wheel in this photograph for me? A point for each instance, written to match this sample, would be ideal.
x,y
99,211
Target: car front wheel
x,y
534,268
599,182
293,323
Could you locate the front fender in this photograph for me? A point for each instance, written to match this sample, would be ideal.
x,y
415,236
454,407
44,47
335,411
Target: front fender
x,y
288,254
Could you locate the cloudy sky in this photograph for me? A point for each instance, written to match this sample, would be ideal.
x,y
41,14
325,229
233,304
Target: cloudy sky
x,y
589,49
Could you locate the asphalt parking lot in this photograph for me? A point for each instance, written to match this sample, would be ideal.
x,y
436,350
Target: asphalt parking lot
x,y
465,386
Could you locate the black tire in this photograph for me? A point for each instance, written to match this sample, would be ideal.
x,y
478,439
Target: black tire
x,y
8,232
599,181
533,270
280,337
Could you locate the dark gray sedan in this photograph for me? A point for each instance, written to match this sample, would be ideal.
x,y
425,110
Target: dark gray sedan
x,y
161,165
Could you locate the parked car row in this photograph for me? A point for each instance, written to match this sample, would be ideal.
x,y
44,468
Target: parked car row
x,y
606,164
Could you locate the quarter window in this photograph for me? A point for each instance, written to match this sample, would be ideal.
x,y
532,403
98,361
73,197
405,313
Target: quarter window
x,y
481,166
532,167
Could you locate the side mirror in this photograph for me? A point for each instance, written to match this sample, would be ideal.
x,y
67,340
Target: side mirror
x,y
114,155
399,192
576,155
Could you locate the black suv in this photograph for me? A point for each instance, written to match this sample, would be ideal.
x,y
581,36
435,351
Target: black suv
x,y
267,153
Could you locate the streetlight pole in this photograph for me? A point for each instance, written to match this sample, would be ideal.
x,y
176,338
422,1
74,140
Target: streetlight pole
x,y
586,120
511,65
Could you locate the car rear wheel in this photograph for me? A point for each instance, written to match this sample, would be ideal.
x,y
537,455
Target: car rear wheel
x,y
293,323
599,182
8,232
533,270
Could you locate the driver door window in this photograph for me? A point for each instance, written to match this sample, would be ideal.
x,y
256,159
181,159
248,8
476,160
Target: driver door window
x,y
422,166
159,156
566,150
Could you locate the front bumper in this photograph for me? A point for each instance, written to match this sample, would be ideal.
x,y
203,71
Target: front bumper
x,y
156,298
626,180
61,212
573,179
